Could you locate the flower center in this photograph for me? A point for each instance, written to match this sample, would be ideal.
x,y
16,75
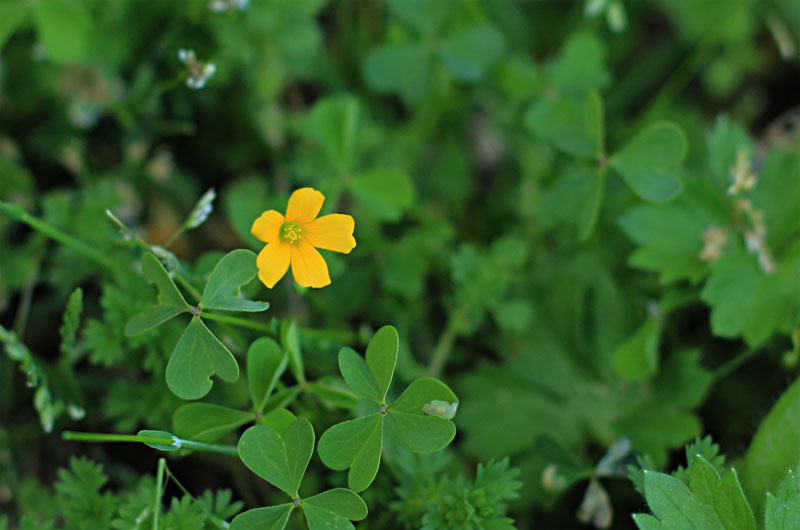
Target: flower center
x,y
291,232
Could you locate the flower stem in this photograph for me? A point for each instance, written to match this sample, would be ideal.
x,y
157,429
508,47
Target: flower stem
x,y
18,213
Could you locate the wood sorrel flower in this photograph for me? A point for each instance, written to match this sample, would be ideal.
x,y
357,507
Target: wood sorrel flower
x,y
294,239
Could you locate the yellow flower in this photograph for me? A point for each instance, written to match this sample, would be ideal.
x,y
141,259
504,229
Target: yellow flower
x,y
294,239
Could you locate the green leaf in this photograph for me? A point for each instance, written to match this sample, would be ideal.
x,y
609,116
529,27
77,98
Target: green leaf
x,y
278,419
206,422
290,340
580,67
650,162
469,53
673,503
170,301
637,357
416,431
269,518
354,444
387,192
745,301
334,122
590,212
197,356
358,376
783,508
402,69
575,126
71,323
774,448
382,357
159,434
223,290
12,14
266,362
64,28
725,495
280,460
424,15
333,510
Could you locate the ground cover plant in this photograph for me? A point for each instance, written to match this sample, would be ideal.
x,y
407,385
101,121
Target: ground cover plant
x,y
376,264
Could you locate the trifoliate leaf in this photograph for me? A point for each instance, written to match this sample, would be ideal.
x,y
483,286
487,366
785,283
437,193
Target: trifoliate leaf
x,y
269,518
580,66
197,356
280,460
469,53
223,290
402,69
650,162
386,192
334,509
170,301
354,444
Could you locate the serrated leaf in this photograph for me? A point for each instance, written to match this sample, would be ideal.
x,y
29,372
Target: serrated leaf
x,y
416,431
637,357
334,122
223,290
650,162
159,434
386,192
269,518
64,28
197,356
333,510
290,340
206,422
266,362
71,323
280,460
170,300
672,502
469,53
783,508
354,444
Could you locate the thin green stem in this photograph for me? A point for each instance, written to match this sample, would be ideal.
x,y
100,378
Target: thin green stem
x,y
18,213
176,442
237,321
162,467
733,364
444,346
175,236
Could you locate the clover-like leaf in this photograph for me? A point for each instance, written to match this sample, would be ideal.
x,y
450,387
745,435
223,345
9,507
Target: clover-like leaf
x,y
371,379
415,430
278,419
170,300
354,444
223,290
649,163
197,356
280,460
206,422
268,518
290,340
266,362
357,374
333,510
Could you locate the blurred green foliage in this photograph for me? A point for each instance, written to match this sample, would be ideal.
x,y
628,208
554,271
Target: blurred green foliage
x,y
579,216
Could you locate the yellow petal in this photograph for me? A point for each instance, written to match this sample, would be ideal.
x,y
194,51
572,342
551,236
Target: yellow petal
x,y
266,227
273,262
304,205
308,266
332,232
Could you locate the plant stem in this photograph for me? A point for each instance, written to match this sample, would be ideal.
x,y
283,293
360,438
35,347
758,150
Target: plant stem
x,y
237,321
731,365
162,467
443,347
183,444
18,213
